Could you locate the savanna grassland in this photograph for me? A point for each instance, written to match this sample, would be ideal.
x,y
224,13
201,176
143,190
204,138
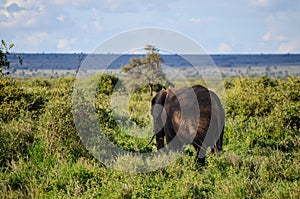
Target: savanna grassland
x,y
41,155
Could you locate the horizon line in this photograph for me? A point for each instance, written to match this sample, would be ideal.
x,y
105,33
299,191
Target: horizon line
x,y
109,53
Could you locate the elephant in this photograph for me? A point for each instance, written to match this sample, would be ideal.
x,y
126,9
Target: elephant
x,y
190,115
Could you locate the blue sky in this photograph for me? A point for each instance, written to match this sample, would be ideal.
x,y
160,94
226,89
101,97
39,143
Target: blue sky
x,y
231,26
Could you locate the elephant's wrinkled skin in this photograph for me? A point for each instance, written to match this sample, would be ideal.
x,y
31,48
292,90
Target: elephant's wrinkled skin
x,y
192,115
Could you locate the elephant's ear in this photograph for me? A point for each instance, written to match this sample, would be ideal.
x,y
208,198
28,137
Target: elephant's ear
x,y
159,99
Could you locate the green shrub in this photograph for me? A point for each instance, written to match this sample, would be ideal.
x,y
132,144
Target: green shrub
x,y
264,112
106,84
251,97
15,100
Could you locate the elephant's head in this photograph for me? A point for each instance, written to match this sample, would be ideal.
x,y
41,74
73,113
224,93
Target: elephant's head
x,y
159,115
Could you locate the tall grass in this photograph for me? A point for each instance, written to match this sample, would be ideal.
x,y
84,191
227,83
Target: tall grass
x,y
42,156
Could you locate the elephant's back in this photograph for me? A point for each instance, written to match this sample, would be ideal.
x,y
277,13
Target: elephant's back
x,y
192,99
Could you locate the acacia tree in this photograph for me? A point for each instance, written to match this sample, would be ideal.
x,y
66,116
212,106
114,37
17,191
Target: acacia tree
x,y
146,69
4,62
4,52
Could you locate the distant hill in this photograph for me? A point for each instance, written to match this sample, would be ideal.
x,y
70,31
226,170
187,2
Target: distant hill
x,y
114,61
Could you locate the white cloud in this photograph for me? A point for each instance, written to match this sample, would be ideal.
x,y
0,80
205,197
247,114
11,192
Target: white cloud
x,y
281,37
31,42
267,36
285,28
62,43
290,46
224,48
23,3
61,18
272,5
38,38
115,5
66,44
260,3
57,23
20,13
272,36
195,20
96,22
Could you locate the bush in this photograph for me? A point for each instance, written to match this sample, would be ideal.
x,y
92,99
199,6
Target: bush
x,y
16,101
106,84
265,112
251,97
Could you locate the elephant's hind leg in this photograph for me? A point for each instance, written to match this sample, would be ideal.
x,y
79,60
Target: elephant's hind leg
x,y
219,144
201,153
220,141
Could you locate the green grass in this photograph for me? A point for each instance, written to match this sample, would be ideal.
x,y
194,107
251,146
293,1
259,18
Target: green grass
x,y
42,156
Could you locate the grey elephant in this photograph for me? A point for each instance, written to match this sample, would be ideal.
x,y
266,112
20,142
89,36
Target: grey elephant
x,y
192,115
